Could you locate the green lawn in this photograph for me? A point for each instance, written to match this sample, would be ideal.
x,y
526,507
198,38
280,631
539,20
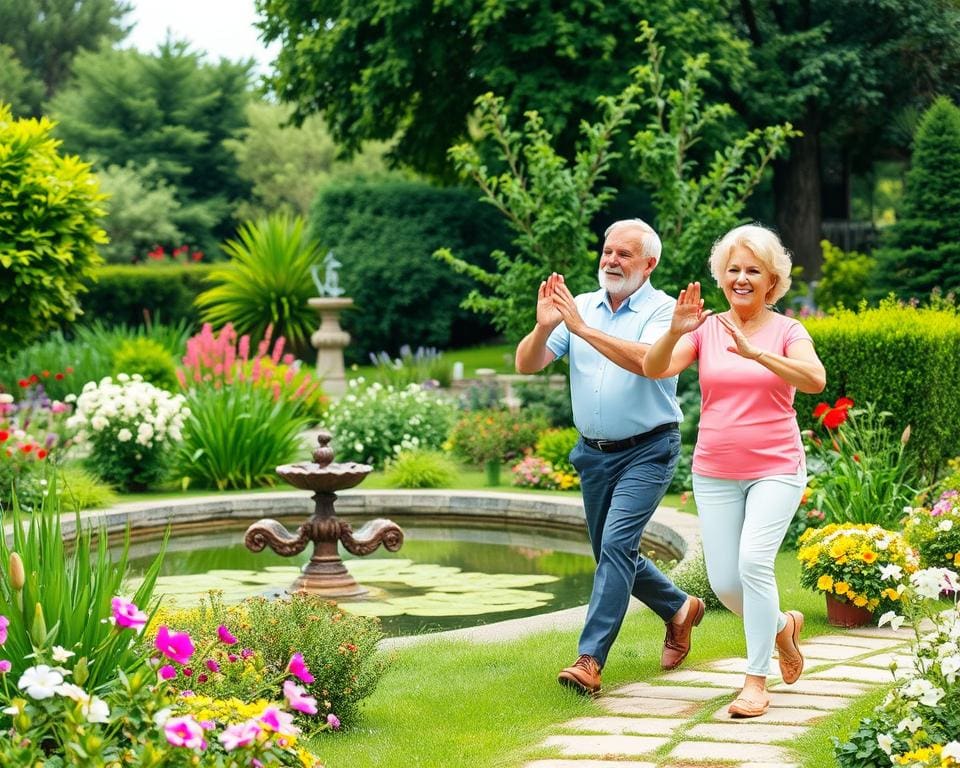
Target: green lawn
x,y
499,357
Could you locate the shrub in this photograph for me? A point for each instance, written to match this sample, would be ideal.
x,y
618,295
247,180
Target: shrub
x,y
374,423
904,360
535,472
682,479
390,230
128,294
555,445
22,469
420,367
843,277
691,576
339,649
540,399
495,435
236,436
80,489
131,427
148,358
421,469
48,233
266,283
935,532
857,564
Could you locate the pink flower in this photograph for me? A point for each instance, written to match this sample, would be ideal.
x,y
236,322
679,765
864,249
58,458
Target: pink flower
x,y
212,665
297,698
279,721
176,646
184,732
5,666
225,637
239,735
333,721
126,614
299,668
4,623
167,672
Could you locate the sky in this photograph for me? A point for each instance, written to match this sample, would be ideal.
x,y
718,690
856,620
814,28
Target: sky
x,y
221,28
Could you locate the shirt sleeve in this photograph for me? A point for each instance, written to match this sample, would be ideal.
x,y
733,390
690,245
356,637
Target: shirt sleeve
x,y
695,338
795,332
658,323
558,341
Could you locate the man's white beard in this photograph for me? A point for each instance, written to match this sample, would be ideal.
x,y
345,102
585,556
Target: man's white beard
x,y
619,286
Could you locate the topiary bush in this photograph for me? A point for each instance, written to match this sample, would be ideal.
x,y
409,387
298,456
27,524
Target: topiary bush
x,y
148,358
49,207
421,469
389,230
555,445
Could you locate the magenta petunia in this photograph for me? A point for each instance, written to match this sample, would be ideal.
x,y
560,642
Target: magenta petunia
x,y
167,672
126,614
5,666
212,665
4,623
297,698
333,721
239,735
184,732
225,637
278,721
298,667
176,646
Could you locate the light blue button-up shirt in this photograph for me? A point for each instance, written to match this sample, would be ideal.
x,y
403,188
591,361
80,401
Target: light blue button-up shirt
x,y
609,402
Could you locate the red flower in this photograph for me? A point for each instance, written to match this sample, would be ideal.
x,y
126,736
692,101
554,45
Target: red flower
x,y
821,409
197,255
34,378
4,435
24,383
45,374
69,369
58,376
833,417
26,447
41,454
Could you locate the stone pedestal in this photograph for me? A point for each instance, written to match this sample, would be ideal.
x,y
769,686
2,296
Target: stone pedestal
x,y
329,340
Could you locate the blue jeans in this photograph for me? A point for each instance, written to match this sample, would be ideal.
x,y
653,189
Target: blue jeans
x,y
621,491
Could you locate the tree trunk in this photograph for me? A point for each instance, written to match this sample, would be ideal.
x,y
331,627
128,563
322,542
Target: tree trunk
x,y
796,187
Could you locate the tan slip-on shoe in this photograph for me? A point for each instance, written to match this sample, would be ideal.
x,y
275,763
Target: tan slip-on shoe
x,y
788,648
747,706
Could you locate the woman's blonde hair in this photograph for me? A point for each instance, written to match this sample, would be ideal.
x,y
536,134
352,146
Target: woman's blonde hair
x,y
762,243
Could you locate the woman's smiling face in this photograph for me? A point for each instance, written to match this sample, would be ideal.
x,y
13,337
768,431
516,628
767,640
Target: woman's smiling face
x,y
746,280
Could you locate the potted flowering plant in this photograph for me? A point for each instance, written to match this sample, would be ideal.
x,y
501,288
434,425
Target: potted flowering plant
x,y
935,532
857,567
492,437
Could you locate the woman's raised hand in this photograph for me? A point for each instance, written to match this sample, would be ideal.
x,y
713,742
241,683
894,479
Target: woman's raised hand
x,y
689,314
742,345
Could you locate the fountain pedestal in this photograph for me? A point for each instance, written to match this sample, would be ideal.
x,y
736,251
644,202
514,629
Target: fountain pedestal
x,y
330,340
325,574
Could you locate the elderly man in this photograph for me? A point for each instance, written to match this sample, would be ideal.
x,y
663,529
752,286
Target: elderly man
x,y
629,441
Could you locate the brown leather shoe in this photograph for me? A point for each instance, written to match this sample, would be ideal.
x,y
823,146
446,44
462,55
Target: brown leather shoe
x,y
583,676
676,645
788,648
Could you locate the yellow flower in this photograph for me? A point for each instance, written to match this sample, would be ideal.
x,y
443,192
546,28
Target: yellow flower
x,y
859,601
824,583
868,556
841,587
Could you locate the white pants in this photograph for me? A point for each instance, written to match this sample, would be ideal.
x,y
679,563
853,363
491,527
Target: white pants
x,y
743,523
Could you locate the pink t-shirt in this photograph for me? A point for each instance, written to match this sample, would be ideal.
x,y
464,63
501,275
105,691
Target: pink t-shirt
x,y
748,427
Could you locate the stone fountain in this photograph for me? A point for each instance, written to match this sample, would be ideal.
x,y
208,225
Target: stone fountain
x,y
325,574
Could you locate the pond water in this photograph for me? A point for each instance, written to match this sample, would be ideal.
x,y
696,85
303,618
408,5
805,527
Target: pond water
x,y
446,575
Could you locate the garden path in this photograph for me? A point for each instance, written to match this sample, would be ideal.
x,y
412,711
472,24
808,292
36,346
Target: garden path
x,y
680,718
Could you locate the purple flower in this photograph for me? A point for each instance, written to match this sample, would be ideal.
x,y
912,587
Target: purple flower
x,y
5,666
126,614
333,721
299,668
176,646
297,698
4,623
279,721
212,665
239,735
184,732
167,672
225,637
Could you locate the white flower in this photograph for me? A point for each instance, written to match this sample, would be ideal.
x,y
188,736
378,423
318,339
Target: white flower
x,y
909,723
951,750
98,423
71,691
892,571
61,654
96,710
162,716
40,682
124,435
945,525
886,742
892,618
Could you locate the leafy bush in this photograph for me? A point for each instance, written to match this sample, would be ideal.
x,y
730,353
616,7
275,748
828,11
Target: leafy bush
x,y
80,489
536,472
421,469
540,399
131,427
691,576
555,445
495,435
843,277
48,234
374,423
339,649
424,365
935,532
390,230
236,436
682,479
266,283
23,469
148,358
128,294
904,360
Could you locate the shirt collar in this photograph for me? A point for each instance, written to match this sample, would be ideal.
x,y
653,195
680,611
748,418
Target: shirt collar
x,y
633,303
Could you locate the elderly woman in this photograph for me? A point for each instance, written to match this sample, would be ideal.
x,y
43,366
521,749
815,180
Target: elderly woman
x,y
748,464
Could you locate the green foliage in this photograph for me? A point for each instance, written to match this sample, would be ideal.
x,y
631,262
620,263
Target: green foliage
x,y
67,589
339,649
128,294
285,165
691,576
421,469
844,279
903,359
371,424
80,489
148,358
126,107
18,87
682,480
934,531
49,205
861,749
696,202
555,445
266,283
424,365
494,435
237,435
547,201
141,212
922,249
541,399
389,230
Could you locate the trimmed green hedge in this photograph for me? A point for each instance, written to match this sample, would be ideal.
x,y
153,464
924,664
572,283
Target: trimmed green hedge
x,y
384,235
904,359
121,293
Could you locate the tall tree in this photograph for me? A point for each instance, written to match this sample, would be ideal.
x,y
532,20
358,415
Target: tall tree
x,y
18,87
46,35
170,108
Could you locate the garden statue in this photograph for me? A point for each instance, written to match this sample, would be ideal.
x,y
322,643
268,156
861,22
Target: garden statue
x,y
330,338
325,574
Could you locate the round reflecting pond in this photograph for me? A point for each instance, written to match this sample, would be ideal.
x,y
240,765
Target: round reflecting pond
x,y
446,575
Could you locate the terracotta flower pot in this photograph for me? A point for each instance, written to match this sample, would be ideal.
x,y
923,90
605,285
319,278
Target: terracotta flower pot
x,y
840,613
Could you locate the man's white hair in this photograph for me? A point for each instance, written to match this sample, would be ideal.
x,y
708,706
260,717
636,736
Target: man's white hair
x,y
649,240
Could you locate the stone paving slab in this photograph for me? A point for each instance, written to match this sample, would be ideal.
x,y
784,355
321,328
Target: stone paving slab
x,y
883,660
682,692
904,634
807,701
604,746
769,765
740,666
729,680
831,652
783,715
642,726
753,733
823,687
644,706
588,764
862,674
702,751
858,641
